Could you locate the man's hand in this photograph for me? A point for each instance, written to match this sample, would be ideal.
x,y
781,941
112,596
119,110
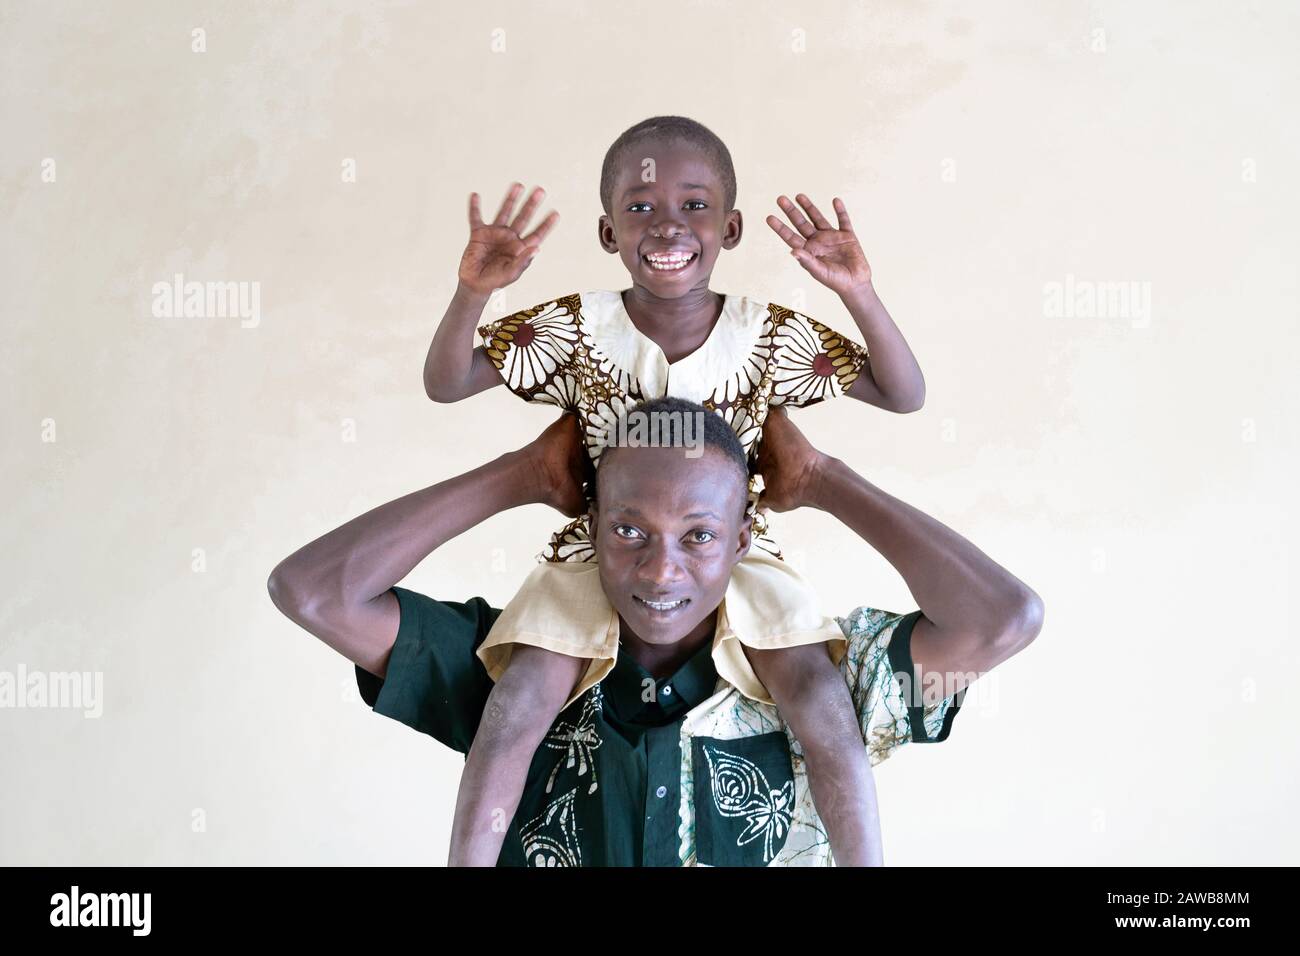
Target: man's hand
x,y
790,466
557,460
832,256
498,252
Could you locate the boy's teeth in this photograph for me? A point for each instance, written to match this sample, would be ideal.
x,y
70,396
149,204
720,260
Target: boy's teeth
x,y
669,263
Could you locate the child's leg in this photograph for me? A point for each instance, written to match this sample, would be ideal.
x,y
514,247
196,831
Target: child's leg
x,y
529,695
811,695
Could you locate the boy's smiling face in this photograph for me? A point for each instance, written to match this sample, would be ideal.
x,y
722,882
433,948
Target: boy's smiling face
x,y
668,231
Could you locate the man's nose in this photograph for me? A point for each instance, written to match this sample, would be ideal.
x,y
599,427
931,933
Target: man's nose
x,y
660,567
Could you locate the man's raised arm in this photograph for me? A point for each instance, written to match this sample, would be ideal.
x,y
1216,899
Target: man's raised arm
x,y
975,613
337,587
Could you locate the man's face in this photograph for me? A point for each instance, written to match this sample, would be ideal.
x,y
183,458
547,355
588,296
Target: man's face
x,y
667,531
680,212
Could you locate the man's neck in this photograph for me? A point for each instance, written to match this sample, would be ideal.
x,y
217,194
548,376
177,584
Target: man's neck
x,y
664,660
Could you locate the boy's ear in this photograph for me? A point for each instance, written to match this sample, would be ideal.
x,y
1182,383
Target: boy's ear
x,y
732,228
605,233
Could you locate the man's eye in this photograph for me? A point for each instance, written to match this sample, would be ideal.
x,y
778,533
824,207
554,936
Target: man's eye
x,y
708,536
620,528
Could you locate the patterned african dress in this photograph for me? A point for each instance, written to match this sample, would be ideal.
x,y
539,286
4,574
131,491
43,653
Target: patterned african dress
x,y
582,353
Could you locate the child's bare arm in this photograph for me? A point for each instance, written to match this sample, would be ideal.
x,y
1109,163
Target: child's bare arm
x,y
891,379
496,255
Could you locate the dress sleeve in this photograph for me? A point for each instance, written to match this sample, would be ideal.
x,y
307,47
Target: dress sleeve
x,y
536,351
434,683
882,682
810,362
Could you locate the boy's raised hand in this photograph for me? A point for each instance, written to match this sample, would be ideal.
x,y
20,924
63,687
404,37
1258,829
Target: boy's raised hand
x,y
498,251
833,256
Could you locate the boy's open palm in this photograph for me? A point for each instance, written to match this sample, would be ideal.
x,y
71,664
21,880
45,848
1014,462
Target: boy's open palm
x,y
831,255
498,251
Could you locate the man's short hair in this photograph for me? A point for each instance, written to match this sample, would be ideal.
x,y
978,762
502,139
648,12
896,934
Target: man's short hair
x,y
716,433
667,129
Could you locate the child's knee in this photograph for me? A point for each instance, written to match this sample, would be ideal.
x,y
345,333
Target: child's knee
x,y
791,672
532,691
808,689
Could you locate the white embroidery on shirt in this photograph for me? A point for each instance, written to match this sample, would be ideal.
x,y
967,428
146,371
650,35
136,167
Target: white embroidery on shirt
x,y
741,789
558,846
579,741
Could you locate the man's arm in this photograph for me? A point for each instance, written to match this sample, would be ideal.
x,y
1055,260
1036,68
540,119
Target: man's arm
x,y
975,613
338,586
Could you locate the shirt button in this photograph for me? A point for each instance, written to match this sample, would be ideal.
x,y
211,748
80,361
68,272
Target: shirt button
x,y
668,689
661,792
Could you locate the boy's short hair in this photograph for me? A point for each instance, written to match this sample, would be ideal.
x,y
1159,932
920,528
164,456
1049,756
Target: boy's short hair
x,y
716,434
669,128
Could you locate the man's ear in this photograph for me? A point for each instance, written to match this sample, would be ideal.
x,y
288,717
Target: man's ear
x,y
745,538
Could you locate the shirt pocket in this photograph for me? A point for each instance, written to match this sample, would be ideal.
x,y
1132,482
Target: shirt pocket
x,y
744,798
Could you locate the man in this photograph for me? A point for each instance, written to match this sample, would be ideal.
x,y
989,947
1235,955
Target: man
x,y
662,763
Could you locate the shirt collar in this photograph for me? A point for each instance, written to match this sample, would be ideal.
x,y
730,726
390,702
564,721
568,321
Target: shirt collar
x,y
688,686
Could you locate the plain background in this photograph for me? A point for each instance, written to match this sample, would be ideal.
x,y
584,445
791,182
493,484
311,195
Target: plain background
x,y
1138,474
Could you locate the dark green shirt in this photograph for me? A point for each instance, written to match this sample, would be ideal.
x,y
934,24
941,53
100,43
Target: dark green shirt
x,y
693,773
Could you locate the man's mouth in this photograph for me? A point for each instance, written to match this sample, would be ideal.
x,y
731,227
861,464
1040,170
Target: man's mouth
x,y
661,608
670,261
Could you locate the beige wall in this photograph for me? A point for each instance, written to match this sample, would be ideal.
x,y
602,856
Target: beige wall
x,y
1133,468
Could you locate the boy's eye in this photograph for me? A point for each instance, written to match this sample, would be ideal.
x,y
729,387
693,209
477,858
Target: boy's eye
x,y
699,204
618,530
708,536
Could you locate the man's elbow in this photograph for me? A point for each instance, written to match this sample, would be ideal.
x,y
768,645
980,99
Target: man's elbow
x,y
281,590
289,593
1022,621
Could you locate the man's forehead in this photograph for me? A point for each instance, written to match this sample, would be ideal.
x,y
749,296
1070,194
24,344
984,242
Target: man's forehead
x,y
700,509
662,483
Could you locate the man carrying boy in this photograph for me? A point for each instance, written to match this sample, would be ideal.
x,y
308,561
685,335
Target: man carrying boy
x,y
662,763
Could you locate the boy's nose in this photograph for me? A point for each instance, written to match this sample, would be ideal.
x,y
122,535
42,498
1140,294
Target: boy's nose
x,y
668,229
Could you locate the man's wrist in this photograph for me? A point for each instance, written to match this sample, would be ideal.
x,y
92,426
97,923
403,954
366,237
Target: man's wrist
x,y
517,474
819,490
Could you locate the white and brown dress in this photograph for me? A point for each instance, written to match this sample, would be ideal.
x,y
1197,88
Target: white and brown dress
x,y
583,354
